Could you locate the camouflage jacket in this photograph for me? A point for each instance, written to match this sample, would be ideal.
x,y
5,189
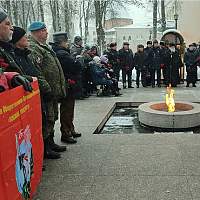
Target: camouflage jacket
x,y
50,67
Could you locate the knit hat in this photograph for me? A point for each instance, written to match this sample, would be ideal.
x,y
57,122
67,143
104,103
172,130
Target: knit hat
x,y
18,33
97,59
60,37
36,26
3,15
104,59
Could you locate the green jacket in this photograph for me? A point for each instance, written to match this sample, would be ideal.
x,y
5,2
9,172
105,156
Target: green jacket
x,y
50,67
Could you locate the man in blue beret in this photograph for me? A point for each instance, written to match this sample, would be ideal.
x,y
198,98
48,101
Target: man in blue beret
x,y
35,26
50,66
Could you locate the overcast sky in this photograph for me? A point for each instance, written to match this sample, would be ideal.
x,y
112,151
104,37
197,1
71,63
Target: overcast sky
x,y
139,15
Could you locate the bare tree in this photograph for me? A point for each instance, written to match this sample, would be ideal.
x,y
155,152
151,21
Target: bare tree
x,y
100,11
163,18
55,12
155,10
87,14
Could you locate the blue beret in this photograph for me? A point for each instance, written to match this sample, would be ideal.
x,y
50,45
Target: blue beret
x,y
35,26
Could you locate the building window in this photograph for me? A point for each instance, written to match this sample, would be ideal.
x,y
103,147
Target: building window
x,y
124,37
129,38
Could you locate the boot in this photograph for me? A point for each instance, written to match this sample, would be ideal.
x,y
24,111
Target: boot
x,y
55,147
194,85
48,152
75,134
68,139
187,85
124,86
130,86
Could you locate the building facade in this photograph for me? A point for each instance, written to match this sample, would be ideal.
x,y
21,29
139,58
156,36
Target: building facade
x,y
188,18
133,34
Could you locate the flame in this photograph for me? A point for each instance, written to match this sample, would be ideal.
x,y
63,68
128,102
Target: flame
x,y
170,99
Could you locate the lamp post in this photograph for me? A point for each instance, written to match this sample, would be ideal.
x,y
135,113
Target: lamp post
x,y
176,20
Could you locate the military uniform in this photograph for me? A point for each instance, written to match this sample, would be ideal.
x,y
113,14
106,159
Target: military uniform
x,y
53,74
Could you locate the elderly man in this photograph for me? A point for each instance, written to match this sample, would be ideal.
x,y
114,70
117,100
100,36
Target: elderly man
x,y
52,71
7,54
71,69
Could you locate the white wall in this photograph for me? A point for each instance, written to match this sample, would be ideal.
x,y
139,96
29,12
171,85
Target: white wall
x,y
188,22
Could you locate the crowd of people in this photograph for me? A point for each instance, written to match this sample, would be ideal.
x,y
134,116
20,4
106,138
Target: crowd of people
x,y
66,73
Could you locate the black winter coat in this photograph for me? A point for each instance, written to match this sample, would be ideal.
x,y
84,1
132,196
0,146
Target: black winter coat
x,y
113,57
126,59
71,67
190,59
140,61
155,58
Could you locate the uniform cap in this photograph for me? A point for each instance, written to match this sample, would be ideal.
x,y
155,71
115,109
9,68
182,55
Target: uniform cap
x,y
60,37
149,42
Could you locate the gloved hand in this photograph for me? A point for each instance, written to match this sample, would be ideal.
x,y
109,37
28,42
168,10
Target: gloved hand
x,y
20,80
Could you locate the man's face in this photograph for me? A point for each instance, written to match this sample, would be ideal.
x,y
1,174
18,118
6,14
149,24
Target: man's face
x,y
114,48
149,45
6,30
126,47
23,43
41,35
44,34
65,44
140,49
155,45
80,43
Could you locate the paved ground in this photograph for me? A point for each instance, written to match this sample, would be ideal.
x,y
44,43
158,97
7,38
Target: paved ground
x,y
125,167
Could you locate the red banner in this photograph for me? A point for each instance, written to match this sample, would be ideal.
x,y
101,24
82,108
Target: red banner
x,y
21,143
